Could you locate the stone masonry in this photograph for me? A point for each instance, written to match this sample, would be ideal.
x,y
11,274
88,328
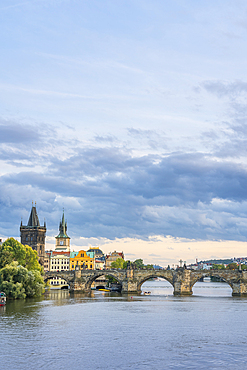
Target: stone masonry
x,y
182,280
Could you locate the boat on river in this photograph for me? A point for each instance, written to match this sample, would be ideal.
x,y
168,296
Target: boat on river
x,y
147,293
2,299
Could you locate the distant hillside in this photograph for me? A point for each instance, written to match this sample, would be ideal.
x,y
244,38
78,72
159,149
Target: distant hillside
x,y
218,262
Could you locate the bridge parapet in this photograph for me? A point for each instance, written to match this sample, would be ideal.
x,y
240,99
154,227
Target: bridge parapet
x,y
131,280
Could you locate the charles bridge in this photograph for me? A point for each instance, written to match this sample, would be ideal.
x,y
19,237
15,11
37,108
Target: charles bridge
x,y
131,281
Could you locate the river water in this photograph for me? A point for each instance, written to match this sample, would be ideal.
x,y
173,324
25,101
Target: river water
x,y
112,331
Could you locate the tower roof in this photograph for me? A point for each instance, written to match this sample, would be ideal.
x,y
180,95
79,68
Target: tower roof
x,y
62,228
33,218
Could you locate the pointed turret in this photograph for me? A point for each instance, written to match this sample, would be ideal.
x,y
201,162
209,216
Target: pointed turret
x,y
62,240
63,228
33,219
33,234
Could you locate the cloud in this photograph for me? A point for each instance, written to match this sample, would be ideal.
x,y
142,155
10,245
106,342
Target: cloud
x,y
16,133
110,193
225,88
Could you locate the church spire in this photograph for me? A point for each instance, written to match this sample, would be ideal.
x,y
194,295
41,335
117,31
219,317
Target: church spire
x,y
33,218
63,228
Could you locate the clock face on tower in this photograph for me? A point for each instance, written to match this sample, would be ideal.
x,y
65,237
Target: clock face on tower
x,y
61,242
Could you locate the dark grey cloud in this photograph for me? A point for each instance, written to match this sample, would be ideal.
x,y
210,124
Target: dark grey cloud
x,y
11,132
22,133
108,193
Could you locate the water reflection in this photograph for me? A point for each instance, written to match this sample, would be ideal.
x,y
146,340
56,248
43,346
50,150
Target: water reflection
x,y
205,288
104,330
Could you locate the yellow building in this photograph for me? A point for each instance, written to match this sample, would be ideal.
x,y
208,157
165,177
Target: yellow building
x,y
83,261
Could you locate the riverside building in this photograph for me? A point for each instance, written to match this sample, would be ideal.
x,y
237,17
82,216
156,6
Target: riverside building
x,y
34,235
59,260
82,261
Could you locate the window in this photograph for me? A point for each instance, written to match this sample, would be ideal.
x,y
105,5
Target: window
x,y
26,238
91,266
72,266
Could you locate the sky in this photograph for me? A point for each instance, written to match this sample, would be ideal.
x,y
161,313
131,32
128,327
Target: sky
x,y
131,115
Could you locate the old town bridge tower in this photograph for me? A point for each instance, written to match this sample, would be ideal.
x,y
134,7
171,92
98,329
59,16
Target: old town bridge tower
x,y
34,235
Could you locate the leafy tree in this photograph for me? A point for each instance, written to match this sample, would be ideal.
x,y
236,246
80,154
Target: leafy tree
x,y
11,250
118,264
125,264
149,267
111,279
139,263
17,282
218,266
232,266
20,271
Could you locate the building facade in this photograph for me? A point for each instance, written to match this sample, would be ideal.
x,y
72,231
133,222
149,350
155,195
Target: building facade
x,y
82,261
60,258
34,235
112,257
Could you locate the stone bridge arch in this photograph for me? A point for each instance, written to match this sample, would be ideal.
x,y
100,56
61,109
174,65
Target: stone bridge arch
x,y
212,273
154,274
100,273
68,279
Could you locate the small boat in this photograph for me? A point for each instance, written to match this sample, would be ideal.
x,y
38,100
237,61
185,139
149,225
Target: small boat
x,y
147,293
2,299
104,290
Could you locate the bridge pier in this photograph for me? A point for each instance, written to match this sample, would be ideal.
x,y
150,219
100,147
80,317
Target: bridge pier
x,y
239,287
79,283
130,284
182,283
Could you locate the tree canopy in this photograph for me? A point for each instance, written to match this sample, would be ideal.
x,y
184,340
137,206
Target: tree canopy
x,y
232,266
12,250
17,282
20,271
118,264
139,263
218,266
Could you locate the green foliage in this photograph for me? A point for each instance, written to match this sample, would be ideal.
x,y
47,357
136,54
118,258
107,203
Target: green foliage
x,y
17,282
20,271
232,266
149,267
118,264
139,263
218,267
11,250
111,279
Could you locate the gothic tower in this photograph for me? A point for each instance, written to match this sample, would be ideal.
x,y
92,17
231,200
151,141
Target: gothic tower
x,y
63,240
34,235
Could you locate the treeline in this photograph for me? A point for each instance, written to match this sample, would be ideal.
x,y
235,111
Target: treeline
x,y
231,266
120,263
20,271
218,261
